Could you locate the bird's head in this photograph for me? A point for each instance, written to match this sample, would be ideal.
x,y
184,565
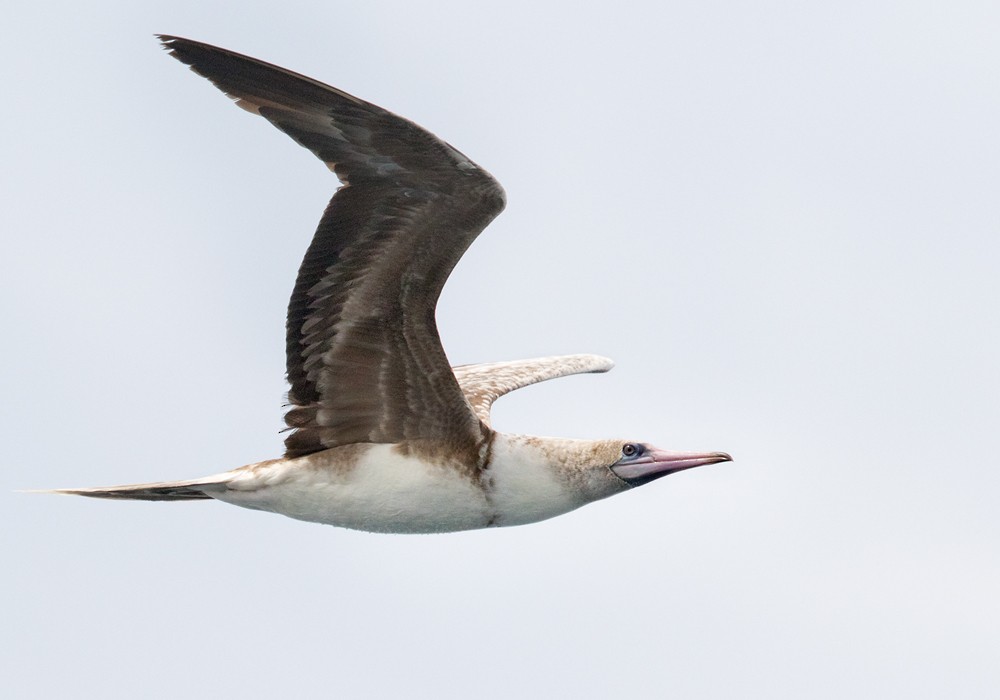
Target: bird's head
x,y
542,477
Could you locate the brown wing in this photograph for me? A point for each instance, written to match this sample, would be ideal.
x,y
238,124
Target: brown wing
x,y
365,362
483,384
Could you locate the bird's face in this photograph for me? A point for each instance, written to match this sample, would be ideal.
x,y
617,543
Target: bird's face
x,y
639,463
598,469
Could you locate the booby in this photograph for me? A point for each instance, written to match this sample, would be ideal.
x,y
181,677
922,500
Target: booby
x,y
385,435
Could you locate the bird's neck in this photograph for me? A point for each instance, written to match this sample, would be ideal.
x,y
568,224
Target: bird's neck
x,y
528,480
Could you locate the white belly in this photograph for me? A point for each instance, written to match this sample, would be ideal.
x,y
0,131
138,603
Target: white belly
x,y
375,489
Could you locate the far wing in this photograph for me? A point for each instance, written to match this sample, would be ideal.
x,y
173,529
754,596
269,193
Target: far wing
x,y
483,384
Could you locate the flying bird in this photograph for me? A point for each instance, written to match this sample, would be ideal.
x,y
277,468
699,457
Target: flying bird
x,y
384,435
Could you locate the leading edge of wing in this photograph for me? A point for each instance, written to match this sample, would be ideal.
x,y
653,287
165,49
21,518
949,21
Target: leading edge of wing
x,y
355,138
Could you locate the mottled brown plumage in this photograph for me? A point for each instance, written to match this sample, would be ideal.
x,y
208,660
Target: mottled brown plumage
x,y
364,359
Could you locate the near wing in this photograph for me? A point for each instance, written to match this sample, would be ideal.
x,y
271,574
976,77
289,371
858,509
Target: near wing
x,y
484,384
365,362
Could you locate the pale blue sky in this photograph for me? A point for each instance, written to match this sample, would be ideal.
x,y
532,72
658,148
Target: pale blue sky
x,y
781,220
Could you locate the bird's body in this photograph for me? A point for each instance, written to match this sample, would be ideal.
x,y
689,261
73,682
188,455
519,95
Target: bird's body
x,y
385,435
396,488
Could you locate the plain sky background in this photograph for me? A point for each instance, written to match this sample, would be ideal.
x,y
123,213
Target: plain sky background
x,y
781,219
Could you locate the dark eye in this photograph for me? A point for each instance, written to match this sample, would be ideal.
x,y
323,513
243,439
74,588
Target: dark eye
x,y
630,449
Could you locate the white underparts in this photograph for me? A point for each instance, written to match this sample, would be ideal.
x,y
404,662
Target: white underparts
x,y
379,489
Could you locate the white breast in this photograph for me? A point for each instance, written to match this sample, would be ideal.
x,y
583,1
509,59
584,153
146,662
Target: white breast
x,y
525,486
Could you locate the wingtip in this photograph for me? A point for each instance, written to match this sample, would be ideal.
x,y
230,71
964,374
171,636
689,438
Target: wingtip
x,y
173,45
184,49
600,363
166,40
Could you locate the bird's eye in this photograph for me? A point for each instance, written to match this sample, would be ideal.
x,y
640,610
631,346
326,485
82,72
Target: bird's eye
x,y
631,449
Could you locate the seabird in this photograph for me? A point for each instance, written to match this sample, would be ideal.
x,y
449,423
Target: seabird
x,y
385,435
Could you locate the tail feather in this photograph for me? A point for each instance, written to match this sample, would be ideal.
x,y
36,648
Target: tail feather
x,y
194,490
